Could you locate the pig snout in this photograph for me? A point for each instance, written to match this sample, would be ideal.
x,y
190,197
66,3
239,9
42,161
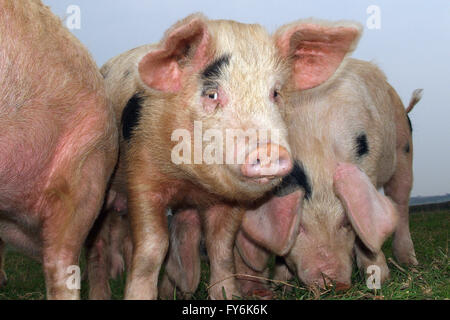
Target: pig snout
x,y
328,278
267,162
326,271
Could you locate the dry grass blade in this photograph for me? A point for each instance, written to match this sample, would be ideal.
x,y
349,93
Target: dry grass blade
x,y
397,266
254,277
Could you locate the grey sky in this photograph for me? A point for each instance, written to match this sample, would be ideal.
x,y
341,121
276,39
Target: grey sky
x,y
412,47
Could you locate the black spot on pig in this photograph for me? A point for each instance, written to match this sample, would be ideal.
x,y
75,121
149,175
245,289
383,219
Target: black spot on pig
x,y
130,116
213,70
295,180
407,148
362,146
409,123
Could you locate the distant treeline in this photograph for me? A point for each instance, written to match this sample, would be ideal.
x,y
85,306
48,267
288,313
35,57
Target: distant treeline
x,y
429,199
430,207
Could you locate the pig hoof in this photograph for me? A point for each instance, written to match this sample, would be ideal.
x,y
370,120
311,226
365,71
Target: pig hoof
x,y
406,258
404,252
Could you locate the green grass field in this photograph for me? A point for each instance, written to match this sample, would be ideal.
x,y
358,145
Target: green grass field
x,y
430,280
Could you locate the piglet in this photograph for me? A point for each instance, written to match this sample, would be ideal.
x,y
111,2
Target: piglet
x,y
59,141
176,103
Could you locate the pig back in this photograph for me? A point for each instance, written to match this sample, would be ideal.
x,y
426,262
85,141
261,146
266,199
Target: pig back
x,y
347,119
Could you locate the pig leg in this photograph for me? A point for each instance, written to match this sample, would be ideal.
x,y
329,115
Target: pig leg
x,y
282,273
221,226
128,251
63,235
183,268
119,239
373,216
250,259
98,258
365,259
399,188
150,243
3,278
105,247
251,286
150,234
166,288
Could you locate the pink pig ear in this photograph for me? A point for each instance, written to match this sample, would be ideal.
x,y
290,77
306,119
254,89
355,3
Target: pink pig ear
x,y
184,46
372,214
317,49
253,255
274,225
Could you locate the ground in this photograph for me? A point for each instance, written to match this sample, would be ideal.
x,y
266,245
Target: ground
x,y
430,280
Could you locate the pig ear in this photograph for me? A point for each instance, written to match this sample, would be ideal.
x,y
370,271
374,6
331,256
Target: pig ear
x,y
317,49
274,225
183,47
253,255
372,214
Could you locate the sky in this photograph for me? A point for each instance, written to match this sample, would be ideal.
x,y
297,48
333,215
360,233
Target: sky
x,y
408,39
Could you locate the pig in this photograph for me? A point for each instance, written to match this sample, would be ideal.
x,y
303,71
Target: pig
x,y
223,75
349,137
59,140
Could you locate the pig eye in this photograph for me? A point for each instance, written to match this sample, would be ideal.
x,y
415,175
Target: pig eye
x,y
213,95
275,95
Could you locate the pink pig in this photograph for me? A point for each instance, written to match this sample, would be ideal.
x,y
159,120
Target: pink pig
x,y
58,139
349,136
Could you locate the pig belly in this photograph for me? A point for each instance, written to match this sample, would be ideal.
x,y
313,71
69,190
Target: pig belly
x,y
24,239
28,148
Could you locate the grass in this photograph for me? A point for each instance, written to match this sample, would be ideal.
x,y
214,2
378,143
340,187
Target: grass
x,y
430,280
